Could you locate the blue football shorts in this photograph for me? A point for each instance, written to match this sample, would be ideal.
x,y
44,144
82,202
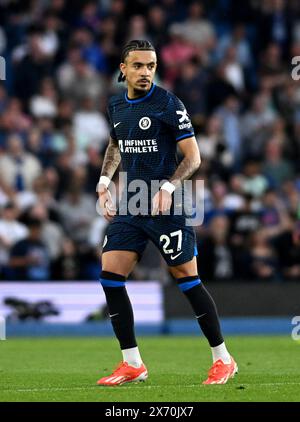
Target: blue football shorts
x,y
175,240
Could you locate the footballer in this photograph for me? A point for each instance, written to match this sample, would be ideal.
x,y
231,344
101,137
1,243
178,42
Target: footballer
x,y
147,124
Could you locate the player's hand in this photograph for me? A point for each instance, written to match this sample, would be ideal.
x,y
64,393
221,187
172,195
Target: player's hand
x,y
161,202
106,203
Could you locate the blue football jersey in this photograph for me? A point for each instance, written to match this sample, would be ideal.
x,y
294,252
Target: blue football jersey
x,y
147,130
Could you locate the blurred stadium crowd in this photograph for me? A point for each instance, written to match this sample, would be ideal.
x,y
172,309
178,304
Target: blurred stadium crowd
x,y
229,62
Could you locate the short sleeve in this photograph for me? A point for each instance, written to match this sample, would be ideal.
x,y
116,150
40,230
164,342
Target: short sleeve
x,y
111,125
178,119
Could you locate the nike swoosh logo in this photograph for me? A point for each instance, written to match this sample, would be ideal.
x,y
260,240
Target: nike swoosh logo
x,y
112,315
116,124
199,316
174,257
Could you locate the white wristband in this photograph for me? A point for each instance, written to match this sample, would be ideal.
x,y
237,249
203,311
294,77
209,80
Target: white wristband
x,y
169,187
104,180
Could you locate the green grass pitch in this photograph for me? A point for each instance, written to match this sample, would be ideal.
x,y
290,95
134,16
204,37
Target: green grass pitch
x,y
66,369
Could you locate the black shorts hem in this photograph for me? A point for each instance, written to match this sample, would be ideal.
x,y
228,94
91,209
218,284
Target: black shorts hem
x,y
181,263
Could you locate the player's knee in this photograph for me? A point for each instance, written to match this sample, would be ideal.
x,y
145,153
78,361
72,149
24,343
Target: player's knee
x,y
187,283
184,270
111,279
120,262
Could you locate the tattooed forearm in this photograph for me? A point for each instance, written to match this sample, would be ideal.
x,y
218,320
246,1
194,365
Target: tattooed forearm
x,y
185,170
111,160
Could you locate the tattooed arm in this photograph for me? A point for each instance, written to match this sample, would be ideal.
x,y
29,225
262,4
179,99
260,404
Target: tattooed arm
x,y
111,160
110,164
162,200
190,163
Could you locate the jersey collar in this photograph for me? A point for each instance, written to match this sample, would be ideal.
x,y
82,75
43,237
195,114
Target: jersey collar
x,y
141,99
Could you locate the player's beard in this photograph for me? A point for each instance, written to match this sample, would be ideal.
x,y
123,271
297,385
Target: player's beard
x,y
139,91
